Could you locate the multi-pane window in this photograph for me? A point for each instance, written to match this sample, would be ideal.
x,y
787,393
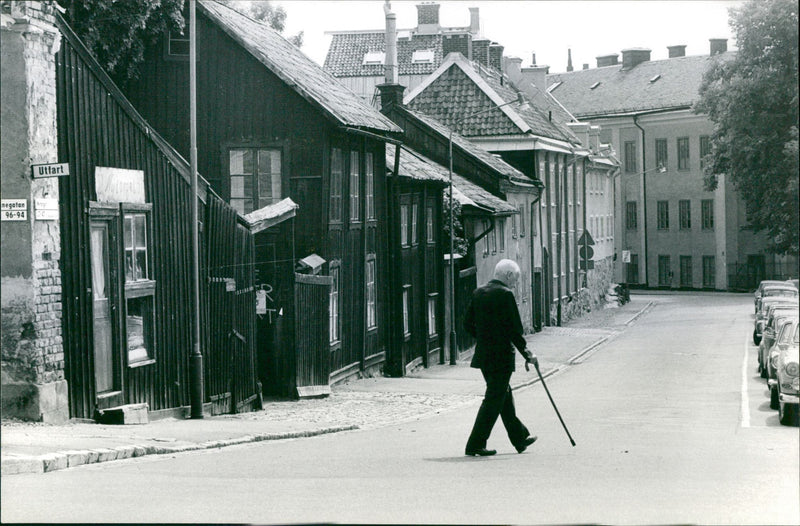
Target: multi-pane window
x,y
521,221
178,43
661,153
709,272
406,310
255,176
139,290
631,215
432,314
355,187
369,182
486,225
683,153
414,215
705,149
707,214
501,226
493,239
664,272
430,233
684,214
630,157
337,169
662,212
333,306
404,225
633,269
514,226
372,318
686,271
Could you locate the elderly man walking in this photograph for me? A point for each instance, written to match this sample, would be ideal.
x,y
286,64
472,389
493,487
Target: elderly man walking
x,y
493,320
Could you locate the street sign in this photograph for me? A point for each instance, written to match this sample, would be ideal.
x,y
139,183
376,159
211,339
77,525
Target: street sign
x,y
585,251
49,170
14,209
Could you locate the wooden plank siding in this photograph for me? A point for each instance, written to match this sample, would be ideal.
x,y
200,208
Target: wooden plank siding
x,y
242,103
97,126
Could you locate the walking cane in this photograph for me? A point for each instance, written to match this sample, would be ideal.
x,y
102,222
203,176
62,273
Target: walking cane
x,y
546,390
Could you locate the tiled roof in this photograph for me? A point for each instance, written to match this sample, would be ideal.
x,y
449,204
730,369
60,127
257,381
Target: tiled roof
x,y
297,70
345,56
416,166
461,87
492,161
640,88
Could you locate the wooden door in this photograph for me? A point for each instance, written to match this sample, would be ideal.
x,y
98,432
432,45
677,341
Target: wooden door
x,y
107,377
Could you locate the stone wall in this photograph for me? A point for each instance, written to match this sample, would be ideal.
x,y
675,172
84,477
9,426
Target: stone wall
x,y
32,360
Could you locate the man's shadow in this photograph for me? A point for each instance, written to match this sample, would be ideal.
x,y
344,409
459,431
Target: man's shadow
x,y
465,458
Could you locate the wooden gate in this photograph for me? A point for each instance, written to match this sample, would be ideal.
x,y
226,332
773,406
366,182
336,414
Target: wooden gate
x,y
467,282
229,361
313,361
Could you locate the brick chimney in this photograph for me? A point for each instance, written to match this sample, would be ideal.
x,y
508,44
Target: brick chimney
x,y
569,60
632,57
586,66
718,45
607,60
474,21
512,67
391,91
676,51
533,59
536,75
496,56
457,43
480,51
428,18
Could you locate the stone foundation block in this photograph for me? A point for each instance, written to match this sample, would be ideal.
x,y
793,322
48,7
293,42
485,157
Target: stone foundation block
x,y
130,414
48,403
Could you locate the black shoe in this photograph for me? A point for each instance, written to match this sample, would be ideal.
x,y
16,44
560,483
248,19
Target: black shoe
x,y
481,452
525,443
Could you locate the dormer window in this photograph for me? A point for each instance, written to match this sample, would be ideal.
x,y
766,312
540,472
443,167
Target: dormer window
x,y
593,86
374,58
422,56
655,78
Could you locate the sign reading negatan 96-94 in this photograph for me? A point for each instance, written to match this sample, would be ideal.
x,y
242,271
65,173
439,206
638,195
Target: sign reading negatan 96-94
x,y
49,170
14,209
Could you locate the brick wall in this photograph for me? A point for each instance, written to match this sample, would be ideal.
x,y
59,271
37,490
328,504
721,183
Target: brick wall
x,y
32,352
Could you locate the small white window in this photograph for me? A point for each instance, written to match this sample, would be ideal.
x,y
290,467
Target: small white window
x,y
655,78
422,56
373,58
593,86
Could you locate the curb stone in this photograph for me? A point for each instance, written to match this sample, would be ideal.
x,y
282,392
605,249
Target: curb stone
x,y
14,465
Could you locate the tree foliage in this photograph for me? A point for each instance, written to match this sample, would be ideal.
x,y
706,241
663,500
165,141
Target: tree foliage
x,y
460,244
264,11
118,31
752,99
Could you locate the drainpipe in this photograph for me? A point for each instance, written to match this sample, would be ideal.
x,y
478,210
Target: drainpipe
x,y
644,201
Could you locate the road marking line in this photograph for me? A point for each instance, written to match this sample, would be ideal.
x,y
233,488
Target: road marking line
x,y
745,396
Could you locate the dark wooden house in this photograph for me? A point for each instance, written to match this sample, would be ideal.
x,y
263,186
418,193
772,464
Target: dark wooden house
x,y
272,124
126,259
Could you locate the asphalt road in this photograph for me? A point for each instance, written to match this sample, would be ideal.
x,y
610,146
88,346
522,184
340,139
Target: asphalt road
x,y
670,418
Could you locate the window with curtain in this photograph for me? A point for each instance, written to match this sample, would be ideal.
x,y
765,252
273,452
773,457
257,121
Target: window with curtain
x,y
683,153
337,169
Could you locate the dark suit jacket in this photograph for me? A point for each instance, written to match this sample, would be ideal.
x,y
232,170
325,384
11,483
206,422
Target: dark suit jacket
x,y
493,320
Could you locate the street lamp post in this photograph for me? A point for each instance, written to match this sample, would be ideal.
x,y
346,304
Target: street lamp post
x,y
453,347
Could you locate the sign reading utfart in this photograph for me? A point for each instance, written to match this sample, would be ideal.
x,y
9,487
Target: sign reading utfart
x,y
49,170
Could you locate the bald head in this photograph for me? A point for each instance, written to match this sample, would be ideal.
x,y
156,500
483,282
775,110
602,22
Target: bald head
x,y
507,271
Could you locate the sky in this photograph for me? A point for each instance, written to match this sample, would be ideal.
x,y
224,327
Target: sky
x,y
545,27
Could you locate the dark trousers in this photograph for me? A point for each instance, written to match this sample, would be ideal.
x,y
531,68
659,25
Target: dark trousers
x,y
498,401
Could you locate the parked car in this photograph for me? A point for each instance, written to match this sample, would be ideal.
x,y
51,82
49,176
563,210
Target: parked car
x,y
777,290
763,312
760,289
772,330
787,371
